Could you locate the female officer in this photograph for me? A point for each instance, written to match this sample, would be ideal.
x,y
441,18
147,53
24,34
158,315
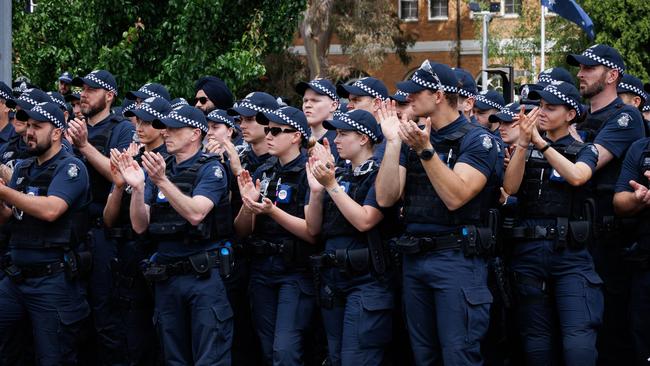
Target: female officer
x,y
281,288
559,290
356,297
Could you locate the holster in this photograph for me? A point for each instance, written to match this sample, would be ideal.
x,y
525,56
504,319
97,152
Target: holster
x,y
201,264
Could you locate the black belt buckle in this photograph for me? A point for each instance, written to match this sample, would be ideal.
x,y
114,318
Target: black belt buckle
x,y
155,272
14,273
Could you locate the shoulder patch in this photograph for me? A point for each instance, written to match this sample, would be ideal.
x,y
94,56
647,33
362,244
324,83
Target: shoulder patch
x,y
623,120
487,142
73,170
217,172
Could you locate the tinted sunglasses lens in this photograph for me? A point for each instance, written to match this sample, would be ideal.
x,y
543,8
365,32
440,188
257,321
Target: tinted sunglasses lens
x,y
273,130
201,100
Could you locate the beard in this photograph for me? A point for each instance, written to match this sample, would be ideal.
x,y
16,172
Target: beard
x,y
92,110
591,91
40,148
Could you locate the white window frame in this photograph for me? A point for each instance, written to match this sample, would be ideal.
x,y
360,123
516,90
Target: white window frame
x,y
510,15
399,11
446,17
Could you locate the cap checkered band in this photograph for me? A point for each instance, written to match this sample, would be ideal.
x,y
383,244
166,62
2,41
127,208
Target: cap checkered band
x,y
4,95
147,108
634,90
553,90
646,108
101,82
484,100
59,102
545,78
190,122
426,84
291,122
221,118
317,85
181,102
144,89
401,93
25,98
506,110
464,93
252,106
50,117
359,84
343,117
589,53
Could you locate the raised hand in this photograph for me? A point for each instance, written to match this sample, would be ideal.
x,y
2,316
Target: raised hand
x,y
389,121
323,173
130,170
258,208
641,192
116,175
247,188
418,139
314,185
322,152
527,122
77,132
154,164
233,156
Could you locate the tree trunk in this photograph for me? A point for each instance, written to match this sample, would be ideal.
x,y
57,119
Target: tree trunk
x,y
316,32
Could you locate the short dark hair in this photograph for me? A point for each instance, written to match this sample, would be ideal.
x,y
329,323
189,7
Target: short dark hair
x,y
452,99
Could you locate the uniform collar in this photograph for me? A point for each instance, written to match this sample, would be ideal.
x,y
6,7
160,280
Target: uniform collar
x,y
299,160
187,163
564,140
441,134
7,132
50,160
611,105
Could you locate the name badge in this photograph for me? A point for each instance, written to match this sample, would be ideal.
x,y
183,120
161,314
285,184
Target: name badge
x,y
32,191
284,193
555,176
160,198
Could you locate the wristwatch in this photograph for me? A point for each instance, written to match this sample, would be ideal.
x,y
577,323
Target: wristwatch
x,y
427,154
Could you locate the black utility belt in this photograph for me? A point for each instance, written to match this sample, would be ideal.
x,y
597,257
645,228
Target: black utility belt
x,y
198,264
354,262
472,240
121,233
566,234
613,224
19,273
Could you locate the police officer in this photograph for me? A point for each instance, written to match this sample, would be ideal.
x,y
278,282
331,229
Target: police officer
x,y
93,137
178,102
131,294
319,102
16,147
75,103
7,131
631,92
612,126
467,93
256,152
44,205
149,90
403,104
486,104
544,78
646,107
356,297
65,81
281,288
183,205
442,178
550,260
212,93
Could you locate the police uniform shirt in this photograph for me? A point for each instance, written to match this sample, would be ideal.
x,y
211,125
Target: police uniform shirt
x,y
588,154
620,130
70,183
303,186
477,149
7,133
10,153
121,137
212,183
632,168
252,161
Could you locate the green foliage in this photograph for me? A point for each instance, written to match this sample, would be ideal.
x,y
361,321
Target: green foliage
x,y
621,24
173,42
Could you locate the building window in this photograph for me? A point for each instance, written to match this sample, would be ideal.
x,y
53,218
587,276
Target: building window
x,y
408,9
438,9
511,7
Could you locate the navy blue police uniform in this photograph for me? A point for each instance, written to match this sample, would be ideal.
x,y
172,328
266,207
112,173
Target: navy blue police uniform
x,y
357,294
112,132
614,127
42,271
192,314
444,266
552,268
281,287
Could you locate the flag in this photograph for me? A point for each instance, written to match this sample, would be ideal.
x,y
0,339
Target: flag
x,y
570,10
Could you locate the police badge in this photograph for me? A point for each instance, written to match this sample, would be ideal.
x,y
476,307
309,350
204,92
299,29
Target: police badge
x,y
487,142
623,120
73,171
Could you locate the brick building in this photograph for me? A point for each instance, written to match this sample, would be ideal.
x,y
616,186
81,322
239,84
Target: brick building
x,y
443,26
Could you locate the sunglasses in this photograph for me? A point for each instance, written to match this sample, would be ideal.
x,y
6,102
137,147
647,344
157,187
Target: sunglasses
x,y
278,130
201,100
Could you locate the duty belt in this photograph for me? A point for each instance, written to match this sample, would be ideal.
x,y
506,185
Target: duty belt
x,y
18,274
536,232
123,233
199,264
421,244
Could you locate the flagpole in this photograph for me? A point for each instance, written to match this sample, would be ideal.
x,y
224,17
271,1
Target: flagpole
x,y
543,42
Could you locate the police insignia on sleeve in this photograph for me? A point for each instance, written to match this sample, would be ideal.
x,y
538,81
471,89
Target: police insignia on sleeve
x,y
73,171
218,173
623,120
487,142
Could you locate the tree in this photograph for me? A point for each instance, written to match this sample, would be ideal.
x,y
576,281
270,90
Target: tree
x,y
173,42
367,29
630,34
